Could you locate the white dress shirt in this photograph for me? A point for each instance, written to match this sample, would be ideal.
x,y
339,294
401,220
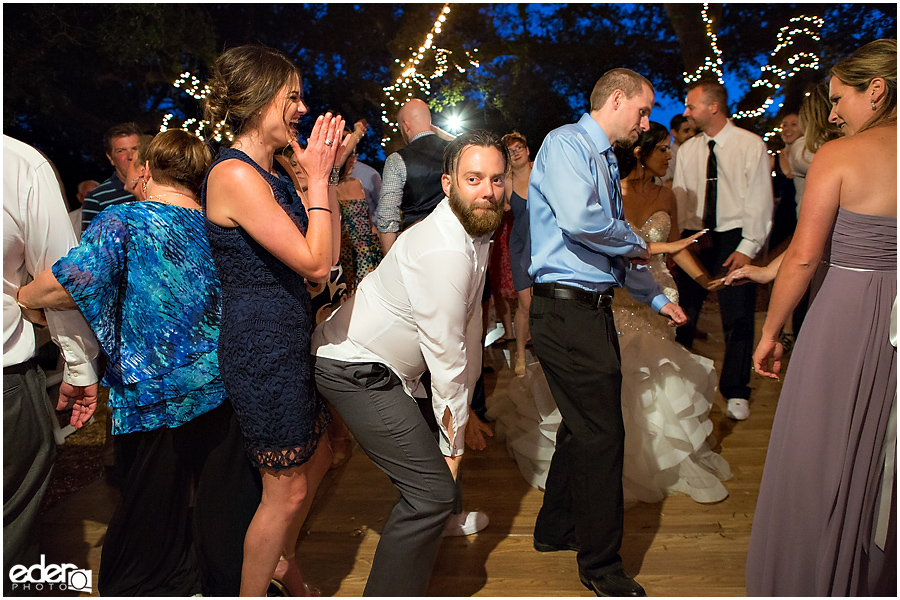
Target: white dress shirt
x,y
420,310
744,185
36,233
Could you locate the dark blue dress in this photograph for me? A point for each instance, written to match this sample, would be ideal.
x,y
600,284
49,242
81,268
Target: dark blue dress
x,y
264,344
519,243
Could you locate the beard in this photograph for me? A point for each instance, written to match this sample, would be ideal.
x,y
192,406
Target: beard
x,y
479,223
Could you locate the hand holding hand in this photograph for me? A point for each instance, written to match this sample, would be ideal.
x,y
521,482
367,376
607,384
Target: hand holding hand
x,y
81,399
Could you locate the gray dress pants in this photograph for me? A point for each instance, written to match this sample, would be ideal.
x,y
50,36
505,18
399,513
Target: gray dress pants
x,y
29,452
390,429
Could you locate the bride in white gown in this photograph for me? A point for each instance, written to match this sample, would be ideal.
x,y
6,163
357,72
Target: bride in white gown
x,y
667,391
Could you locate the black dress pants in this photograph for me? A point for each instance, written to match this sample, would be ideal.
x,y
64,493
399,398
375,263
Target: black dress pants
x,y
737,305
579,353
156,545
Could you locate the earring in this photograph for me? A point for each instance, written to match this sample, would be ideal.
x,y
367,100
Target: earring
x,y
144,186
873,105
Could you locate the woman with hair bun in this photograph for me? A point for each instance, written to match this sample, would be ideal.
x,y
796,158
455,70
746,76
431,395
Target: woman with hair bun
x,y
143,277
266,244
826,517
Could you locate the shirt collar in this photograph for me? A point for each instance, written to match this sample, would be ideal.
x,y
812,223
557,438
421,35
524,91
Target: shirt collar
x,y
420,135
724,135
595,132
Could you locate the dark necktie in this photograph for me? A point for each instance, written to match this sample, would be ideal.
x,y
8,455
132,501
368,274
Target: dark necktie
x,y
712,180
617,263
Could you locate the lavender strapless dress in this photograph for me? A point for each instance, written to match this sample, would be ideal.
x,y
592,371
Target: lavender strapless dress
x,y
814,531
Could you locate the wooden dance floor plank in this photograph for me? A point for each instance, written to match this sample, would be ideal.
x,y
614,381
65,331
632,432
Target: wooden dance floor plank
x,y
675,548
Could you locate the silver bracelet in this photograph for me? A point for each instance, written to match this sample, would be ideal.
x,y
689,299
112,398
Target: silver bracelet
x,y
335,176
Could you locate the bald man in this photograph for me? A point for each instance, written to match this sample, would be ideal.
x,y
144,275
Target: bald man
x,y
411,181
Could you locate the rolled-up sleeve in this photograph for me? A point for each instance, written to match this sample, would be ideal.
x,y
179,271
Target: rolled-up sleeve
x,y
391,195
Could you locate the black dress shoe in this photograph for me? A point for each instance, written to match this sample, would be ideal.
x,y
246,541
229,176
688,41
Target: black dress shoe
x,y
616,583
555,548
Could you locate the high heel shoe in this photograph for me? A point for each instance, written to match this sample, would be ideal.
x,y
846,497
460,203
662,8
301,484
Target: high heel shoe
x,y
521,368
279,588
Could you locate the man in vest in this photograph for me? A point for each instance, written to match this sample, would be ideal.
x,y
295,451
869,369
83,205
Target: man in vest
x,y
411,181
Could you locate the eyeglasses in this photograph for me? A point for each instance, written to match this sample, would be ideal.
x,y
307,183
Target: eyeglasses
x,y
516,149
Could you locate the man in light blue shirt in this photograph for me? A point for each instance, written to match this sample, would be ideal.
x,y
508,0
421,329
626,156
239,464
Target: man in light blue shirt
x,y
582,248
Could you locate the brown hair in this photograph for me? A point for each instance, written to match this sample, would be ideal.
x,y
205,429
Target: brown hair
x,y
515,136
628,81
245,80
179,158
875,59
473,137
813,114
713,91
143,144
117,131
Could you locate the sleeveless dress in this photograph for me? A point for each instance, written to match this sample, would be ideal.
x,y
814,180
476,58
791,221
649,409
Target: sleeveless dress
x,y
667,393
519,246
360,248
825,483
501,273
264,343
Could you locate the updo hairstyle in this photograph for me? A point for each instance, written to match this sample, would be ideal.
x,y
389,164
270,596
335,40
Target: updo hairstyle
x,y
245,80
647,142
179,159
875,59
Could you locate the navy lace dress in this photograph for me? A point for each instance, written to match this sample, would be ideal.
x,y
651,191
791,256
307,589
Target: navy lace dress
x,y
264,343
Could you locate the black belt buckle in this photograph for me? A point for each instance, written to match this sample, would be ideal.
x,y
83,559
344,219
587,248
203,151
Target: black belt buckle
x,y
602,300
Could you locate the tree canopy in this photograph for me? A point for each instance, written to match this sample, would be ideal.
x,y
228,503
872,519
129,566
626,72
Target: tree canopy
x,y
73,70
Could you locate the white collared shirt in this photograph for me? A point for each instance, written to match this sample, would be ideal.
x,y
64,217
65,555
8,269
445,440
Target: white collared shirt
x,y
36,233
744,185
420,310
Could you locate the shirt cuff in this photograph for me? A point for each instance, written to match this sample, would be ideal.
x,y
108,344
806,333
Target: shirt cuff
x,y
748,247
658,302
81,374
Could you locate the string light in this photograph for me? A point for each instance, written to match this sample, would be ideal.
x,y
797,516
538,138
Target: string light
x,y
713,65
773,77
194,89
411,80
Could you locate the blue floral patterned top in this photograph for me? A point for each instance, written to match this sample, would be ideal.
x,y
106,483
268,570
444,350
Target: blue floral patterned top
x,y
144,279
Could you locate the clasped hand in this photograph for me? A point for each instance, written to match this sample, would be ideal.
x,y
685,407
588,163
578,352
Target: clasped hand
x,y
321,149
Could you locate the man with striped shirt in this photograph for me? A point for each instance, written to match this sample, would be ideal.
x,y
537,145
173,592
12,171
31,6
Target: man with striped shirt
x,y
121,143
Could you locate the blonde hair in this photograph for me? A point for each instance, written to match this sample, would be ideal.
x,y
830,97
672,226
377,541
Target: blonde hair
x,y
875,59
245,80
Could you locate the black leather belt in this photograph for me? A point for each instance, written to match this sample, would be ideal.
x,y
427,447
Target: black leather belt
x,y
568,292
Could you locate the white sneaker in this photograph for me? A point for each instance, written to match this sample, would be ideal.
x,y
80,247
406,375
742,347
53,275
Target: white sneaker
x,y
465,523
738,409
